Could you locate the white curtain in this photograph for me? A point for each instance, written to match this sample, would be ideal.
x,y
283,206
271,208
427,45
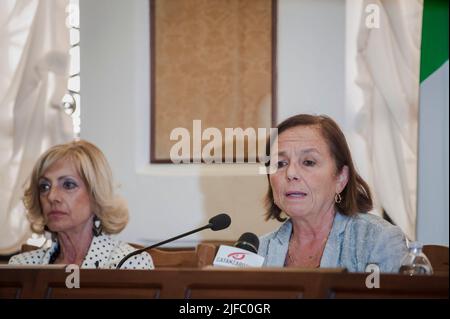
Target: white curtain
x,y
34,66
387,61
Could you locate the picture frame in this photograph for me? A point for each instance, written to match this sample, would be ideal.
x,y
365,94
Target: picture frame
x,y
212,63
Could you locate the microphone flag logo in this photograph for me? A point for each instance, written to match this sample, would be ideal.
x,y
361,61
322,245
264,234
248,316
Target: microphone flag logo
x,y
237,255
228,256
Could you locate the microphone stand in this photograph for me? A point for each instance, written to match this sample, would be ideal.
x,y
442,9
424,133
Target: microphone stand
x,y
136,252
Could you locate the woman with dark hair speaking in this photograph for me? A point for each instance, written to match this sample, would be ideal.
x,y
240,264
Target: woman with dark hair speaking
x,y
316,185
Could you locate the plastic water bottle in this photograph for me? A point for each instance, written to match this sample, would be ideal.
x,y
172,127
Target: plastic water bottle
x,y
415,262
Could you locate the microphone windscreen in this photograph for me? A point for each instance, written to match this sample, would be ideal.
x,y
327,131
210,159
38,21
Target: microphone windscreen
x,y
220,222
248,241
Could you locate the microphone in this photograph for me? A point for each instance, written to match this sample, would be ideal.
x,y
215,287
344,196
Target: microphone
x,y
216,223
248,241
243,254
219,222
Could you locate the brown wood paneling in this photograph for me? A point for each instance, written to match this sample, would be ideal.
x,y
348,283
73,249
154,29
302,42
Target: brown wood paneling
x,y
211,282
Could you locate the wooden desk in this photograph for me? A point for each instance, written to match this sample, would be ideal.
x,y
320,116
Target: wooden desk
x,y
215,283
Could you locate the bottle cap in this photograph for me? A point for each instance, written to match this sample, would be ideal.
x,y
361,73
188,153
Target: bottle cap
x,y
415,245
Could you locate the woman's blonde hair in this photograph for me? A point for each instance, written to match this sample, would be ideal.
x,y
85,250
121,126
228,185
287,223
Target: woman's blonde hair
x,y
95,171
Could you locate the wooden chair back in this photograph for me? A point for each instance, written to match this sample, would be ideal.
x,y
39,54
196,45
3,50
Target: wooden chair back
x,y
190,257
438,256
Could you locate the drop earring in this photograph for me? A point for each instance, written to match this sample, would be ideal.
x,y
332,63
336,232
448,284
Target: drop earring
x,y
97,228
337,198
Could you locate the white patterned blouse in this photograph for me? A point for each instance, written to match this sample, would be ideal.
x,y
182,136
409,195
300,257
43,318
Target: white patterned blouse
x,y
104,252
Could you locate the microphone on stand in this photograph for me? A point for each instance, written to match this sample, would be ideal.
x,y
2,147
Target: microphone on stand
x,y
216,223
243,254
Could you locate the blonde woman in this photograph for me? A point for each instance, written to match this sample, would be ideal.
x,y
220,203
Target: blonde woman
x,y
71,195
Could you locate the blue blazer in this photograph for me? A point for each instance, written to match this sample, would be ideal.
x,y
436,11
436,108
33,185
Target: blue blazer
x,y
353,243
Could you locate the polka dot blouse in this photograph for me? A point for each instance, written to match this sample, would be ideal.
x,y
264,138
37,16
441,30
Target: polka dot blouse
x,y
104,252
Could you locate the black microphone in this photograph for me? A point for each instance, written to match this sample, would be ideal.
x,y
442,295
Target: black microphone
x,y
248,241
244,253
217,222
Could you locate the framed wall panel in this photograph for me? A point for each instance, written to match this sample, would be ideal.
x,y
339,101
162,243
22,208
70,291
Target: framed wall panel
x,y
213,61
